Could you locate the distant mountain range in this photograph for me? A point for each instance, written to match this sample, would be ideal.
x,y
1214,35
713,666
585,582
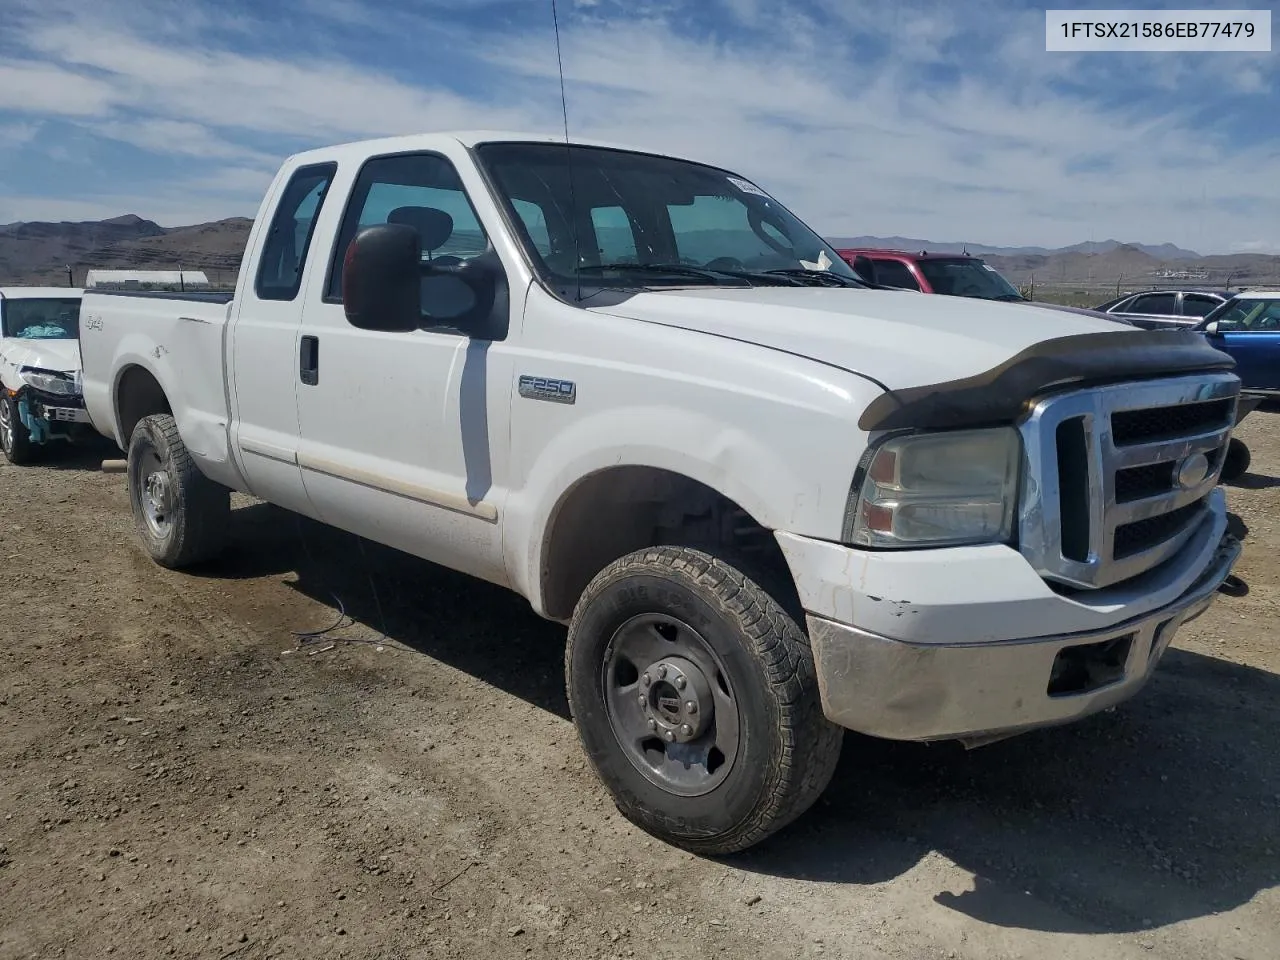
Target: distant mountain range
x,y
1159,251
40,253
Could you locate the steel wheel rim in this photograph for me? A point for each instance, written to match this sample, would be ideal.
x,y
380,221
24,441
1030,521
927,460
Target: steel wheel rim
x,y
687,752
155,494
6,425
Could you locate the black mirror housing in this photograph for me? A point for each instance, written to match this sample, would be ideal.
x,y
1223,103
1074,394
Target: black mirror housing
x,y
381,279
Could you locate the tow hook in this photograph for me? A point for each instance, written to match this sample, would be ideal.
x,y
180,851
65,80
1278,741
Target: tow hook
x,y
1233,586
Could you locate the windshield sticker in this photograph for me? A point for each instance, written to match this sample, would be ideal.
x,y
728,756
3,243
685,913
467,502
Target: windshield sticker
x,y
746,186
823,264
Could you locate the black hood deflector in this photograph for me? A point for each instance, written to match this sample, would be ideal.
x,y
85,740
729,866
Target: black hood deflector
x,y
1000,395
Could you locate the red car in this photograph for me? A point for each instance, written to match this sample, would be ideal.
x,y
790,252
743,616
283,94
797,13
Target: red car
x,y
950,274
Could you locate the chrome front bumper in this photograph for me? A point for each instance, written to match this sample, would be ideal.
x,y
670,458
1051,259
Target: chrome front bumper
x,y
984,691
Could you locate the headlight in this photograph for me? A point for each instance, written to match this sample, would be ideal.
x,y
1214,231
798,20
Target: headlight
x,y
938,489
50,382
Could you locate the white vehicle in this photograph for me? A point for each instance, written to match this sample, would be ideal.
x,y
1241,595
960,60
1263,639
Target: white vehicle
x,y
39,370
769,502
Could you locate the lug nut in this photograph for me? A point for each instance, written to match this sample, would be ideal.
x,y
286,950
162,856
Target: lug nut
x,y
643,700
670,737
662,671
691,706
686,730
646,679
679,682
653,724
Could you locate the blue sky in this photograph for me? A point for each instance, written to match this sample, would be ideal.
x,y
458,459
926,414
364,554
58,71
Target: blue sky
x,y
946,120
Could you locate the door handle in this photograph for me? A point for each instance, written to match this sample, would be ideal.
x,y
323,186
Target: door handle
x,y
309,361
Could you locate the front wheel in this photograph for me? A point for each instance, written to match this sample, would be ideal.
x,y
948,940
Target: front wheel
x,y
1236,462
695,698
181,515
15,439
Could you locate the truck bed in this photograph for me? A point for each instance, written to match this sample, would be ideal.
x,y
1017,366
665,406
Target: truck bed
x,y
175,339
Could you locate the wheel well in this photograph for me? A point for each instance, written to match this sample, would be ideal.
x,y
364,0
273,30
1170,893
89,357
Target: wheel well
x,y
138,395
616,511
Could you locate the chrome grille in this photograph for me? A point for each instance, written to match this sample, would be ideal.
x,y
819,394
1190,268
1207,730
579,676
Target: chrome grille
x,y
1105,494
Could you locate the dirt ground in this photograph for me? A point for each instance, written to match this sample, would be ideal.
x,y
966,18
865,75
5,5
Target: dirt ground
x,y
182,776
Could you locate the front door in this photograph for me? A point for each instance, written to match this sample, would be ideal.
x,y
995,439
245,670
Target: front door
x,y
1250,332
404,436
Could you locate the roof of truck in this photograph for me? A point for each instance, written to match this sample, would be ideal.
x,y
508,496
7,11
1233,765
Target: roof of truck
x,y
42,293
468,138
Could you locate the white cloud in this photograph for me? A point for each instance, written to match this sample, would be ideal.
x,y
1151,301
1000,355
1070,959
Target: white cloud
x,y
838,123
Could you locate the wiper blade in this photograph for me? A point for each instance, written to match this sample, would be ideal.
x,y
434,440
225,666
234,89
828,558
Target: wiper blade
x,y
671,269
1012,298
821,276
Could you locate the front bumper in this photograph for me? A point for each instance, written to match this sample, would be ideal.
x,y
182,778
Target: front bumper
x,y
979,690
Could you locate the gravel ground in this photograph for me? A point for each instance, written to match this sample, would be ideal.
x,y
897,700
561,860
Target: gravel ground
x,y
182,776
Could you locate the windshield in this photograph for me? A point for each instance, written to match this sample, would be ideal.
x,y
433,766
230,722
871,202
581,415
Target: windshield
x,y
967,278
41,319
1249,313
630,220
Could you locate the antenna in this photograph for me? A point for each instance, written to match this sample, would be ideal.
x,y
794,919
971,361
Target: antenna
x,y
568,161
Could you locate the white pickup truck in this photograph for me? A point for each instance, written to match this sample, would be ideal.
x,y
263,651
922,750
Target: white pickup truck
x,y
39,370
769,501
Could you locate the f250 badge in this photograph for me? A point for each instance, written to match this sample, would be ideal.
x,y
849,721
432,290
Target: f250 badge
x,y
546,388
93,322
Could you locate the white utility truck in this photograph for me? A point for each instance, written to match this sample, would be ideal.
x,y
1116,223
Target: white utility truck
x,y
40,370
769,500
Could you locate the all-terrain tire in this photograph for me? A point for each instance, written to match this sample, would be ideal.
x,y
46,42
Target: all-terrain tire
x,y
198,510
787,748
1235,464
15,438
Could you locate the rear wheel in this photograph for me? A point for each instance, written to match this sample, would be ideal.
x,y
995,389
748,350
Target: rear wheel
x,y
181,515
695,697
15,439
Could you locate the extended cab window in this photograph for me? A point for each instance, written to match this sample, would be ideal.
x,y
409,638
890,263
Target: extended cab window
x,y
285,250
424,192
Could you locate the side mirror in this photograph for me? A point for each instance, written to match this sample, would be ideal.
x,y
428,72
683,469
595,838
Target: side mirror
x,y
1211,327
471,288
381,279
864,267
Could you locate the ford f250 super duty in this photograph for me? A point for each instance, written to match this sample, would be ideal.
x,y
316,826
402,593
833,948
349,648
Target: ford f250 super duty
x,y
768,501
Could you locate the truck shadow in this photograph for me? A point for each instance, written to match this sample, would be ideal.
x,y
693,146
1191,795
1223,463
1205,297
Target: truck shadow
x,y
1163,810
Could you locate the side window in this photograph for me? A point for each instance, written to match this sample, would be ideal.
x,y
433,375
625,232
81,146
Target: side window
x,y
1159,304
615,239
424,192
894,273
1196,305
284,253
535,221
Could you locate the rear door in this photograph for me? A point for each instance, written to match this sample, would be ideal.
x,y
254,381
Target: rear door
x,y
263,348
1151,310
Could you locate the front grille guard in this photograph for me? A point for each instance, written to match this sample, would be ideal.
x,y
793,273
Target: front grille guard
x,y
1086,557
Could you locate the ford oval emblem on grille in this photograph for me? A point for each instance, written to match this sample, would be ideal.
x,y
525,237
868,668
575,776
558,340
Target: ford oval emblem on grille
x,y
1192,471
